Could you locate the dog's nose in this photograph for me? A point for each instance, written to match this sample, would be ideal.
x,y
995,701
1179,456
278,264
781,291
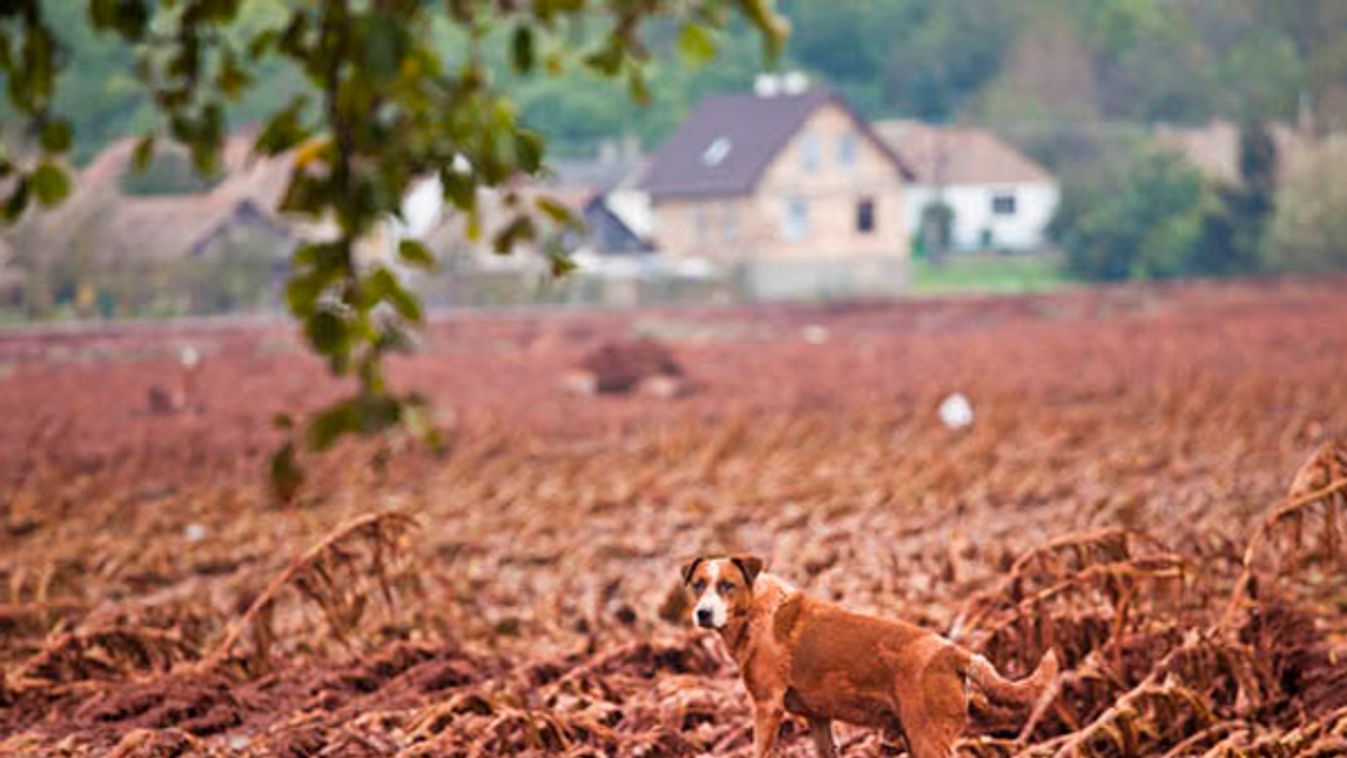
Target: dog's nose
x,y
704,617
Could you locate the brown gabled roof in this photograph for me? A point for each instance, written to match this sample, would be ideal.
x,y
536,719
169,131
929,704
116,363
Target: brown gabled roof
x,y
112,225
755,129
959,155
1214,148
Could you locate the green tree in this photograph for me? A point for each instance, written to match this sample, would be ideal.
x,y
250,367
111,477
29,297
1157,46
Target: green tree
x,y
383,103
1137,217
1235,226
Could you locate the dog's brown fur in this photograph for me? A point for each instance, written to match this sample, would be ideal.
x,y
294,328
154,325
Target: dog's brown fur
x,y
820,661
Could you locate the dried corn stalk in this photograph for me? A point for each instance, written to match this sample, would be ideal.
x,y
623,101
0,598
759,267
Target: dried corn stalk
x,y
1318,495
335,575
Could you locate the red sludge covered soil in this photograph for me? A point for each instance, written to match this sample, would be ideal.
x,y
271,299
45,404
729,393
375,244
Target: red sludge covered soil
x,y
1151,486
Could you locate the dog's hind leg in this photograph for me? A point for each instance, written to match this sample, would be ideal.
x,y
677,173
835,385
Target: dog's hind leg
x,y
934,712
822,731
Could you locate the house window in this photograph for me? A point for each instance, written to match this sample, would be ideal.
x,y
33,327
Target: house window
x,y
795,224
865,216
810,153
1003,204
846,150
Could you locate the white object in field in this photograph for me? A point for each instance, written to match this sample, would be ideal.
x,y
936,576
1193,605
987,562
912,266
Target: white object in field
x,y
189,356
194,532
815,334
956,412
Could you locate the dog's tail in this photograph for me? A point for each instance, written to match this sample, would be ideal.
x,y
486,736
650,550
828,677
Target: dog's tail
x,y
1030,690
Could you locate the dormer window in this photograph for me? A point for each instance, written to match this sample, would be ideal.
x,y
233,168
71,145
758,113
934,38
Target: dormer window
x,y
715,153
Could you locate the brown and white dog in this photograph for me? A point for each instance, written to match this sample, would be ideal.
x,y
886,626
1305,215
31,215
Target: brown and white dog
x,y
805,656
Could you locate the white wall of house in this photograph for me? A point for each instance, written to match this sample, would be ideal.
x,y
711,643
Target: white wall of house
x,y
633,207
992,216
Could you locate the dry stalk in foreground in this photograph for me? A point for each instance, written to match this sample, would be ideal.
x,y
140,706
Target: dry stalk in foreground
x,y
329,574
1319,489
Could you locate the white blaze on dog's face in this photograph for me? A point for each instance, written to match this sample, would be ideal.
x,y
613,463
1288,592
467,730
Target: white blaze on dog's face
x,y
722,588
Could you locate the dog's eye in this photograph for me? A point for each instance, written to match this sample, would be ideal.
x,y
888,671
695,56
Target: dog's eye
x,y
699,585
726,588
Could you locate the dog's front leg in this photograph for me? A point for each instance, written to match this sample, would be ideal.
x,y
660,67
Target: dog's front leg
x,y
766,723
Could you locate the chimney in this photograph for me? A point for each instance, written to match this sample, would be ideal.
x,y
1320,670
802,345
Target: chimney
x,y
767,85
794,82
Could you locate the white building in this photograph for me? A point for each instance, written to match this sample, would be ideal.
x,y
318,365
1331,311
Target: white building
x,y
1001,199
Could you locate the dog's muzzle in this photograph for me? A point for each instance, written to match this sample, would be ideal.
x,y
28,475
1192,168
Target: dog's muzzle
x,y
704,619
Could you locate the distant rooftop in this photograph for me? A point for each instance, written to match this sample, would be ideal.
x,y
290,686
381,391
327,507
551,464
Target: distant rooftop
x,y
729,140
958,154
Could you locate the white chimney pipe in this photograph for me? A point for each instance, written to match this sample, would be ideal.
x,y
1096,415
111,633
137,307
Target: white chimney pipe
x,y
767,85
794,82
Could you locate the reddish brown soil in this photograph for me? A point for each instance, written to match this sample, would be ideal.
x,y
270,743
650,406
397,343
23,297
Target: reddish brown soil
x,y
1134,437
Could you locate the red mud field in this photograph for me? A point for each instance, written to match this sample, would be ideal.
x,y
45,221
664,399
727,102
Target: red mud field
x,y
1151,486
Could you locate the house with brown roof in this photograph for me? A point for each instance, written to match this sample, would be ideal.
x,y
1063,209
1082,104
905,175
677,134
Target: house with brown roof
x,y
165,240
786,173
1001,199
1214,147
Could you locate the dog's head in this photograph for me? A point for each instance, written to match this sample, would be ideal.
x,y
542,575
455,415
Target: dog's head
x,y
721,587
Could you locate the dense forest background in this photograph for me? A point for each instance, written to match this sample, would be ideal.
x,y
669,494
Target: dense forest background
x,y
1024,66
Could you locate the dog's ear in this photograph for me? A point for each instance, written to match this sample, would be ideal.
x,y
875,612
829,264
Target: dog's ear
x,y
751,565
690,567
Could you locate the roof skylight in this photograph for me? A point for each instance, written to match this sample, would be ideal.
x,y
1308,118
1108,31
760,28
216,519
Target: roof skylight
x,y
716,152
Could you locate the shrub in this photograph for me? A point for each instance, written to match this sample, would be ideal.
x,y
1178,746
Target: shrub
x,y
1137,216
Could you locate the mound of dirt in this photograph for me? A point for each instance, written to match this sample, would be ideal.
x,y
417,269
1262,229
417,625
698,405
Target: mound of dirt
x,y
619,367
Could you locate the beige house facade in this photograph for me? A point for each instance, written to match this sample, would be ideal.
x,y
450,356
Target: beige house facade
x,y
782,177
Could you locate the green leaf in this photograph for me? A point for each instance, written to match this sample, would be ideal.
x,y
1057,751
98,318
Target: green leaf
x,y
140,157
773,27
416,254
50,184
330,424
17,200
232,78
129,18
640,91
56,136
529,151
460,189
377,413
520,229
521,49
284,130
383,286
385,44
695,44
304,290
559,213
561,264
328,333
263,43
286,475
608,58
